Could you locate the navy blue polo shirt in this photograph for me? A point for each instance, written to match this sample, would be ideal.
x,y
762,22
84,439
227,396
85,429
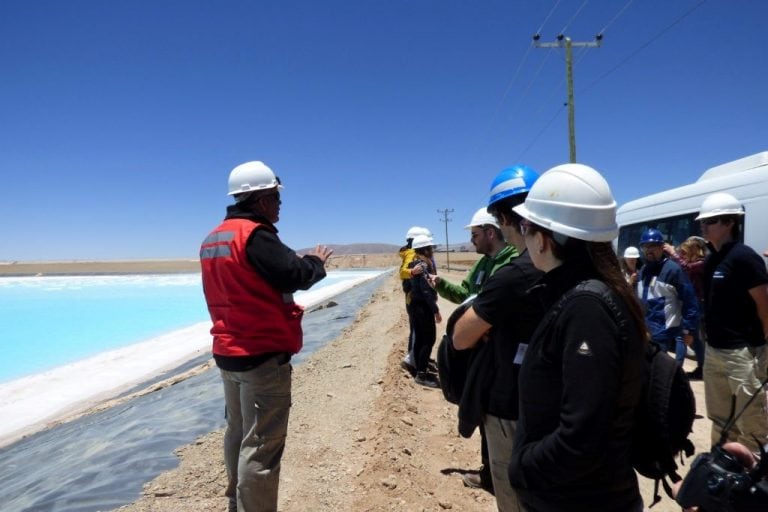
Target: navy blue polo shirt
x,y
731,315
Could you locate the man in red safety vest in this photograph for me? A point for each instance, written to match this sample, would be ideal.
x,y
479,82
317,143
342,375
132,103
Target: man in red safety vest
x,y
249,277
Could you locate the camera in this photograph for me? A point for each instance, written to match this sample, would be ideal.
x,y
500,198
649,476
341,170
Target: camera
x,y
718,482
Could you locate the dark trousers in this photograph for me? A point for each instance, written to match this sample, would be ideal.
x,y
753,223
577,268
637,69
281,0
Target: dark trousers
x,y
409,310
424,333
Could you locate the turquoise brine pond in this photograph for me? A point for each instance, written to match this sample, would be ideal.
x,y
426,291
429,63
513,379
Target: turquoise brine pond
x,y
50,321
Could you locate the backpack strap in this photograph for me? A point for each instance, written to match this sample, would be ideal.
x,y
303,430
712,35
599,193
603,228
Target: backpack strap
x,y
656,495
674,477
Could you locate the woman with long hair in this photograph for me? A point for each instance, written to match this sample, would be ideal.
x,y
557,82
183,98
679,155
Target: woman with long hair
x,y
424,310
583,373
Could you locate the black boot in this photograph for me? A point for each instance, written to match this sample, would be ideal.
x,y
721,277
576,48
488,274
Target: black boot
x,y
427,379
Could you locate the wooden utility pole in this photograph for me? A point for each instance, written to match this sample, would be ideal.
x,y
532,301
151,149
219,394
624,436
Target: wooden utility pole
x,y
445,220
565,42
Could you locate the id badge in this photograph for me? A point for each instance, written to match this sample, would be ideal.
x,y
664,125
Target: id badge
x,y
521,348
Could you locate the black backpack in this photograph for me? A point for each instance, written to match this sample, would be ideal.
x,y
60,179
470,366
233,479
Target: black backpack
x,y
664,420
664,416
452,364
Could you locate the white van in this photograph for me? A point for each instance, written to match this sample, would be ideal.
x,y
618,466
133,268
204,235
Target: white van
x,y
673,212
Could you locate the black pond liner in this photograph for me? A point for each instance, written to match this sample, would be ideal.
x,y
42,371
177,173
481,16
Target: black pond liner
x,y
101,461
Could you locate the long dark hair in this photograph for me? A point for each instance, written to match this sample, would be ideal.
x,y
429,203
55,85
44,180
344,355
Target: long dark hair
x,y
601,258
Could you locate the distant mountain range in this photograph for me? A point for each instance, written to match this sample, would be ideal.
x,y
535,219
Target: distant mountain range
x,y
341,250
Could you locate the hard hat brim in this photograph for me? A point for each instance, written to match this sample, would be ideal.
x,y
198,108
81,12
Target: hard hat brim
x,y
588,235
722,213
254,189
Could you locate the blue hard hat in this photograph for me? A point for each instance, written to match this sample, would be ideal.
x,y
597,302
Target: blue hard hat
x,y
651,236
512,181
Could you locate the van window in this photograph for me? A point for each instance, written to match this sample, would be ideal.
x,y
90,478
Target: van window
x,y
675,230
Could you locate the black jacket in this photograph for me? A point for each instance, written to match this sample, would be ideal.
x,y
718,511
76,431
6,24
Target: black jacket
x,y
579,386
277,263
514,318
490,370
421,291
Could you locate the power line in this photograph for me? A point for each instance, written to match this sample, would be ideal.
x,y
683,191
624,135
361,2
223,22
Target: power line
x,y
514,79
509,88
573,18
583,53
541,27
626,6
548,102
645,45
530,85
536,138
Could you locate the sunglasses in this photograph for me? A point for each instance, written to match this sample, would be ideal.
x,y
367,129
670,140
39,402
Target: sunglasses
x,y
710,221
525,227
275,194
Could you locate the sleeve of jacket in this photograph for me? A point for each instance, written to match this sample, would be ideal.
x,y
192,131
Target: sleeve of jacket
x,y
457,293
591,372
689,301
279,265
694,268
405,265
677,259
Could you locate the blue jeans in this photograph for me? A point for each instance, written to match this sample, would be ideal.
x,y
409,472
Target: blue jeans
x,y
681,350
674,343
257,405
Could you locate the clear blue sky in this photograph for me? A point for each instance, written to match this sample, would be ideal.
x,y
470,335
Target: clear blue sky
x,y
122,119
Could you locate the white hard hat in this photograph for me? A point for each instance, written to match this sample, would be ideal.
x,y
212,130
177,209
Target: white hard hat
x,y
482,218
252,176
413,231
631,252
574,200
426,232
420,241
718,204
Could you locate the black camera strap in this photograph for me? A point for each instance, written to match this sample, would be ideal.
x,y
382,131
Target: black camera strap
x,y
732,419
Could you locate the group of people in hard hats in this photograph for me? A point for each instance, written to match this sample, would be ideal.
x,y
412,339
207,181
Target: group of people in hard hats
x,y
420,304
556,329
711,294
553,332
